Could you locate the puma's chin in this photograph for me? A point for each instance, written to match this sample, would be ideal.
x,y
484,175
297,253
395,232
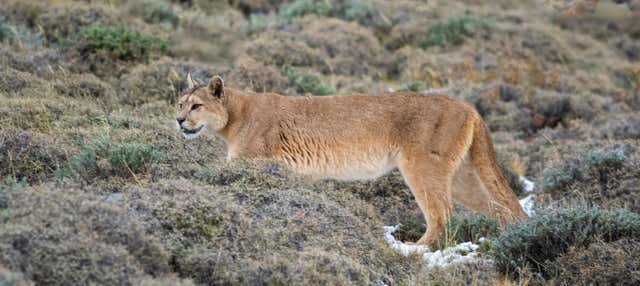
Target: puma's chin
x,y
189,134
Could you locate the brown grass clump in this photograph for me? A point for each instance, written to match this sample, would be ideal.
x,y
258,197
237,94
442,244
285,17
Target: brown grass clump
x,y
613,263
213,36
83,85
348,48
283,49
13,81
44,63
605,176
262,214
162,80
30,156
61,237
250,75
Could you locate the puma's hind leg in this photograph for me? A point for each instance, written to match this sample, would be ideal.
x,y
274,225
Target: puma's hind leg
x,y
430,184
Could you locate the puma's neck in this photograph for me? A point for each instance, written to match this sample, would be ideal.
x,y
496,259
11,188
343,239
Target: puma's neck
x,y
247,112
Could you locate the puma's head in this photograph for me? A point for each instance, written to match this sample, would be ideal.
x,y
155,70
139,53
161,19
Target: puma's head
x,y
202,108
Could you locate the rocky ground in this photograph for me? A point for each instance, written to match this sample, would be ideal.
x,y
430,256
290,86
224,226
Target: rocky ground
x,y
96,187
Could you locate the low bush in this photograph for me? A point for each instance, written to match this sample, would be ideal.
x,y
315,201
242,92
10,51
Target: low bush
x,y
346,47
156,12
61,24
415,86
18,35
272,230
62,236
120,42
618,126
250,75
13,81
84,85
471,227
282,49
601,263
306,82
367,13
27,155
132,158
535,244
603,176
299,8
454,30
102,157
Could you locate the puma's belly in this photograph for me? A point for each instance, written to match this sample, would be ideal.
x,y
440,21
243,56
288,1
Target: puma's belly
x,y
347,164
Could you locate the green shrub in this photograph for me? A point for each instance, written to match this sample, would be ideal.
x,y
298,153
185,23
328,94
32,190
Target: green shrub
x,y
602,263
86,163
535,244
101,156
470,227
120,42
159,12
595,162
19,35
306,82
557,178
299,8
133,157
601,176
613,158
454,30
364,12
415,86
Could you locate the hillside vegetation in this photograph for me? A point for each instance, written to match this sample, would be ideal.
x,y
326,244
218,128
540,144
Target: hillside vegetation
x,y
97,188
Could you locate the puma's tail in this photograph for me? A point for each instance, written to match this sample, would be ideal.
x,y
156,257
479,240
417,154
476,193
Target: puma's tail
x,y
483,158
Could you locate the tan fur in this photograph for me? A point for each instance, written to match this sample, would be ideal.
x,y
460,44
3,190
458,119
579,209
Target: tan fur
x,y
439,143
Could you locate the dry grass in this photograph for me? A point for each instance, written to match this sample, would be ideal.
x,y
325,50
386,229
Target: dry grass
x,y
96,187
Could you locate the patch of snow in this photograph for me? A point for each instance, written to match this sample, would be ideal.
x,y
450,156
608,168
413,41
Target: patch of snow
x,y
527,205
462,252
399,246
527,184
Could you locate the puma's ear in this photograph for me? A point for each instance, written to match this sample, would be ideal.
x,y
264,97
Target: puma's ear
x,y
190,82
216,85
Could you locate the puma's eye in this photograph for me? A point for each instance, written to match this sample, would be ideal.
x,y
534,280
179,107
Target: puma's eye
x,y
179,105
195,106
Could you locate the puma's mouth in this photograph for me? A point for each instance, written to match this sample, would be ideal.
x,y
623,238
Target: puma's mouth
x,y
192,131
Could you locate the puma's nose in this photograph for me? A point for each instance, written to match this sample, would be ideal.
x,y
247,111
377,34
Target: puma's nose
x,y
180,120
